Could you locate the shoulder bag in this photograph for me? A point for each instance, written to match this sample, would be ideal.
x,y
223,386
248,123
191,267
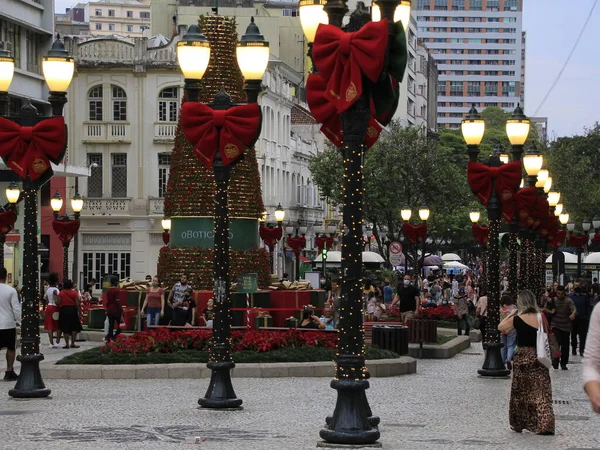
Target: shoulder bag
x,y
543,346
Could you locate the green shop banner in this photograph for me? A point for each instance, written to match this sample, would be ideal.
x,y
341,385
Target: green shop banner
x,y
199,232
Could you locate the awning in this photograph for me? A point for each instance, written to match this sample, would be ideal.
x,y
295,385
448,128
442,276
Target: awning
x,y
305,259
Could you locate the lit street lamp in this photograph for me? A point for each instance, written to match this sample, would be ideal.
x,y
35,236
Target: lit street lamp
x,y
28,148
198,122
64,227
8,216
166,225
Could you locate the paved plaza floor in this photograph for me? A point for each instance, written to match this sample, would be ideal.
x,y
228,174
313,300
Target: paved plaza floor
x,y
444,406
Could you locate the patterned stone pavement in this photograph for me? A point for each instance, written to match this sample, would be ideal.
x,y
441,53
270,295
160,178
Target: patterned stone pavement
x,y
444,406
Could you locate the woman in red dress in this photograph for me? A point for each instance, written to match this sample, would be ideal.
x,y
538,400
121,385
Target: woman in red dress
x,y
52,310
70,311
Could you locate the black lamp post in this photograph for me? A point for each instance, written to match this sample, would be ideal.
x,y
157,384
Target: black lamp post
x,y
8,215
406,214
424,216
193,53
473,128
58,68
64,227
297,244
352,421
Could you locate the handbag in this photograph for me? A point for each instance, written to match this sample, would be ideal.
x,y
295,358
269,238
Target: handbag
x,y
542,345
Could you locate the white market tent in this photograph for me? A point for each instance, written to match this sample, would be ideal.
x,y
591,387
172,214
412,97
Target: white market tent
x,y
592,258
336,257
450,257
570,258
454,265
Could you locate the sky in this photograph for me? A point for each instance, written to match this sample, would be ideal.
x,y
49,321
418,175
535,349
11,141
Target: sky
x,y
552,28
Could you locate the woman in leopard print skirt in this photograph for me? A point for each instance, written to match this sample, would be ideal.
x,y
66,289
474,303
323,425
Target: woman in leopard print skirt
x,y
531,390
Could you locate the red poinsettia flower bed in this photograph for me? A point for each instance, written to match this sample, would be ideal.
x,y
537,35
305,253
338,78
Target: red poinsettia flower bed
x,y
438,313
165,341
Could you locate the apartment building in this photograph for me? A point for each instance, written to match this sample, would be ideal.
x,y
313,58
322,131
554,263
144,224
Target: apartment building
x,y
123,17
479,46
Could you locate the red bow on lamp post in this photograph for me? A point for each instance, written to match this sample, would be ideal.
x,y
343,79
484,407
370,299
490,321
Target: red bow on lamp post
x,y
344,58
507,178
28,151
229,131
323,242
480,233
556,238
270,237
65,229
296,243
523,202
415,233
578,241
166,237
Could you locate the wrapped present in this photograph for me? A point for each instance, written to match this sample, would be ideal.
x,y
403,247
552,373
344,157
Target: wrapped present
x,y
263,321
291,322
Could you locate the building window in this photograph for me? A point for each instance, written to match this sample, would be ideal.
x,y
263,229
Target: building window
x,y
491,88
98,13
168,104
476,5
440,5
119,175
456,88
458,5
144,15
510,5
423,4
493,5
95,103
11,35
130,14
95,179
164,164
98,26
130,28
111,27
97,264
111,13
33,52
119,103
289,12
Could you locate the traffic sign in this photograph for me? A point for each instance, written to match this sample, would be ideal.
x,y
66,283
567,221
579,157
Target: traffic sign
x,y
396,248
396,260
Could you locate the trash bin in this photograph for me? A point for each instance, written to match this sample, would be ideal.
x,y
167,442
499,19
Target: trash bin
x,y
394,338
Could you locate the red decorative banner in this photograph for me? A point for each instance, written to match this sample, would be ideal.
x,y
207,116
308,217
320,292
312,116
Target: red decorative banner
x,y
415,233
230,131
65,229
344,58
270,235
578,241
296,244
28,151
480,233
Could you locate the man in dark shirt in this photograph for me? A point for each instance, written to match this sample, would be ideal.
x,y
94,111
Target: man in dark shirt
x,y
583,305
563,313
409,298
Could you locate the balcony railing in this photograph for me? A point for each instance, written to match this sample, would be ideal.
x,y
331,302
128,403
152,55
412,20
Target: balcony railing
x,y
118,132
156,206
164,131
106,207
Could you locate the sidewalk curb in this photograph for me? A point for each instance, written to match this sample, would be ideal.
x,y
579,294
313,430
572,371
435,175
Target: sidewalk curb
x,y
444,351
377,368
475,335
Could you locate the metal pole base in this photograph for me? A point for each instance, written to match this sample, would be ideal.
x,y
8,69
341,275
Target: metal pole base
x,y
493,365
350,423
30,383
220,393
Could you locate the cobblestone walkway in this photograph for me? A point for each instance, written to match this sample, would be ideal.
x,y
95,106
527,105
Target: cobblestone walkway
x,y
444,406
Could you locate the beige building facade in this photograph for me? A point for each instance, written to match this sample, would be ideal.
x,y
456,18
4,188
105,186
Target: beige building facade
x,y
123,17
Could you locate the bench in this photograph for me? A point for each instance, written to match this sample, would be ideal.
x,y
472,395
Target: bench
x,y
422,331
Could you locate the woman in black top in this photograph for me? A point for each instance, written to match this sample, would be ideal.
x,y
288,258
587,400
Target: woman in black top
x,y
309,320
531,391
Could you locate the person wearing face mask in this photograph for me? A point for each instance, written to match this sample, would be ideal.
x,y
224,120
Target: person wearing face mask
x,y
409,298
154,304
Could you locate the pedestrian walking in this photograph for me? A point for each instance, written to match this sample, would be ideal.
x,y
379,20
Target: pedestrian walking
x,y
461,309
409,299
591,362
563,313
114,310
583,305
52,312
508,337
69,321
10,315
530,405
481,312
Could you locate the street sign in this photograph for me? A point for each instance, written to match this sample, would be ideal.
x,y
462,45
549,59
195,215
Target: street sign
x,y
396,260
396,248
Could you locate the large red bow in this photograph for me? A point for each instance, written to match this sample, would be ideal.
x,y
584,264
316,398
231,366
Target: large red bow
x,y
523,202
578,241
296,244
270,235
325,113
65,229
343,58
414,233
507,177
230,130
556,239
7,221
28,151
596,238
480,233
323,242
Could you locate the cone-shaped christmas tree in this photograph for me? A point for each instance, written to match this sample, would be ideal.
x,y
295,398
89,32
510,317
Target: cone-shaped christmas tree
x,y
189,200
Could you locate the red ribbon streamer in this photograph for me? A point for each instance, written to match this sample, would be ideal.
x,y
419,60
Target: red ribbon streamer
x,y
270,235
414,233
28,151
65,229
230,131
343,58
507,178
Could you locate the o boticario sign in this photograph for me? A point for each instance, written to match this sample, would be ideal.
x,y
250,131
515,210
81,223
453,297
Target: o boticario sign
x,y
199,232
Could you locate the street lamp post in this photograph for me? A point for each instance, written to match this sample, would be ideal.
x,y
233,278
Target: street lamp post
x,y
270,236
424,216
297,244
473,128
28,144
166,225
336,58
200,124
406,214
8,216
279,217
64,227
324,244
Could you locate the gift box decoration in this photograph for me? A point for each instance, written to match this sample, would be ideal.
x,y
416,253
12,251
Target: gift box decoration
x,y
263,321
291,322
